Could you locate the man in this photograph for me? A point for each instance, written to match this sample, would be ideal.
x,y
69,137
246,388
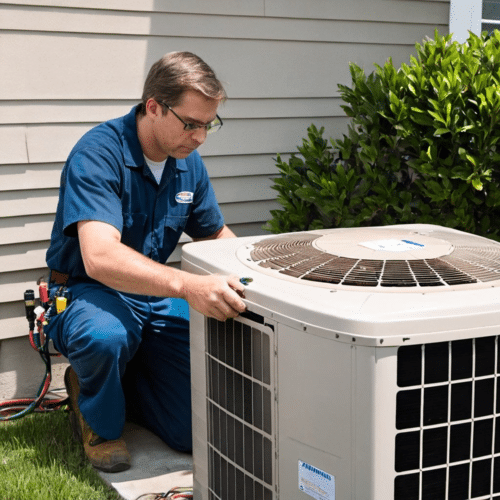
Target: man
x,y
129,189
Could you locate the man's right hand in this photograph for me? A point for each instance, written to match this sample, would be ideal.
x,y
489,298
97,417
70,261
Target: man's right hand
x,y
215,296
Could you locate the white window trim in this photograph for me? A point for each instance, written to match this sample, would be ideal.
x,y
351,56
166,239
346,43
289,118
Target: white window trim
x,y
465,16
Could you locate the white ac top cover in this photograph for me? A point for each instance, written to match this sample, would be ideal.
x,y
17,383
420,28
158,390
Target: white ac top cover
x,y
377,286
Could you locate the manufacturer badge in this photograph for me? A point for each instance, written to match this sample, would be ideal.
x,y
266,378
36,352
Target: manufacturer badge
x,y
184,197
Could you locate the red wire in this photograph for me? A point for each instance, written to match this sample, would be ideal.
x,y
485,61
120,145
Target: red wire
x,y
39,400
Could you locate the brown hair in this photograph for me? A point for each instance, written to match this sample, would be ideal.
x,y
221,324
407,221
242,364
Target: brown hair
x,y
176,73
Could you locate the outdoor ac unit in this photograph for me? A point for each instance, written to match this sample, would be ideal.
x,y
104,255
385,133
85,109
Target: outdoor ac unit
x,y
366,367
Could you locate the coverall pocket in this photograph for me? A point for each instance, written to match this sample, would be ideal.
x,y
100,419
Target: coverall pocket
x,y
174,226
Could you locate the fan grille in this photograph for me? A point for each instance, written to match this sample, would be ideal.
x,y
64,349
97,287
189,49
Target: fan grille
x,y
449,258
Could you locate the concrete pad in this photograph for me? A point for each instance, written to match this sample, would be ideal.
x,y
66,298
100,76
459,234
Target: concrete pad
x,y
156,468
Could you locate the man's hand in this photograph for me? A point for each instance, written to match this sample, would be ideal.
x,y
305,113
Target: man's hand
x,y
215,296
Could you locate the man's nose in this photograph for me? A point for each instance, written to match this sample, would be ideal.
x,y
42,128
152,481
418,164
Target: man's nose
x,y
199,135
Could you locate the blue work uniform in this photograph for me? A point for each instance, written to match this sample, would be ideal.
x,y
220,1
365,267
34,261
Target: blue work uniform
x,y
130,352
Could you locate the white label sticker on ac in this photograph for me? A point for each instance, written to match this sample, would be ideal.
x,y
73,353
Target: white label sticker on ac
x,y
315,482
393,245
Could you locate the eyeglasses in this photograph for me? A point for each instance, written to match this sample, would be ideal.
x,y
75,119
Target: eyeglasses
x,y
211,127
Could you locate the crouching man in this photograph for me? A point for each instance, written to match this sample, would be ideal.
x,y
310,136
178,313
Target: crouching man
x,y
129,188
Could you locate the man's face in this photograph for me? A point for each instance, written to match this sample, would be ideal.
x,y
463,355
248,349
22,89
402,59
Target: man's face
x,y
168,135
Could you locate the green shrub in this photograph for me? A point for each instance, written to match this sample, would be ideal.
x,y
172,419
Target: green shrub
x,y
421,147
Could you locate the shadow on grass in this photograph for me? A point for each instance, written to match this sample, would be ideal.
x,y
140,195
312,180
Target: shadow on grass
x,y
40,459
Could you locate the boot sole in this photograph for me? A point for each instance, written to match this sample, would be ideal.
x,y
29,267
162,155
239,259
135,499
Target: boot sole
x,y
120,467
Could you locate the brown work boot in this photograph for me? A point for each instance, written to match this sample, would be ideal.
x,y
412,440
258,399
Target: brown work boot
x,y
105,455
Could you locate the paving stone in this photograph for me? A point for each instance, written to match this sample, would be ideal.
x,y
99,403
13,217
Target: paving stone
x,y
156,468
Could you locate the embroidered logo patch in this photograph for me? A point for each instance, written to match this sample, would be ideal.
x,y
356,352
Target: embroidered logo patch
x,y
184,197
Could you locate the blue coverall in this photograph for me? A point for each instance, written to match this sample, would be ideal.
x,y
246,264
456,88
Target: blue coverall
x,y
130,352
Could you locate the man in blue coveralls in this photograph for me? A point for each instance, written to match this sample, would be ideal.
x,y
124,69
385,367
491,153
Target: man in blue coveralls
x,y
129,189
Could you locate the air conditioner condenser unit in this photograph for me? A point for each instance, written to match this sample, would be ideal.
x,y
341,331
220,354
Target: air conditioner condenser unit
x,y
366,367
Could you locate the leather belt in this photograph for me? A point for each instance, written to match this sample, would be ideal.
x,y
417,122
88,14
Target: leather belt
x,y
58,278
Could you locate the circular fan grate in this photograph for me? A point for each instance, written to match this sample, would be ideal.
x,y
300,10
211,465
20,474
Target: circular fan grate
x,y
380,258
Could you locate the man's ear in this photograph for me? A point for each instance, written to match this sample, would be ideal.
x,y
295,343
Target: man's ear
x,y
153,108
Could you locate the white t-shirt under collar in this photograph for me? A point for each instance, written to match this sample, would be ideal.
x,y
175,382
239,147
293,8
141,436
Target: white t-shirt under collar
x,y
156,168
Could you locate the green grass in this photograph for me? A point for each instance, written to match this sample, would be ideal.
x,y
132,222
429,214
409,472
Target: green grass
x,y
39,459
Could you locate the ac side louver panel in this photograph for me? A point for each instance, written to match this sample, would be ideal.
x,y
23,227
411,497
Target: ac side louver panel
x,y
366,367
448,422
240,411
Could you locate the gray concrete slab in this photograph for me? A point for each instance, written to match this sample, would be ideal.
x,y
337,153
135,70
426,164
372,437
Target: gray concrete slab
x,y
156,468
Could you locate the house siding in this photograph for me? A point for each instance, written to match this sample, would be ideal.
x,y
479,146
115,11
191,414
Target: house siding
x,y
68,65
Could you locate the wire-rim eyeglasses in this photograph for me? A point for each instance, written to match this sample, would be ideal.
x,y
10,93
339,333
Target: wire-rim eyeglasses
x,y
211,127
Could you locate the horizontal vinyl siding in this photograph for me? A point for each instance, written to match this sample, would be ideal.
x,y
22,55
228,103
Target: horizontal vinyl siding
x,y
290,69
404,11
68,65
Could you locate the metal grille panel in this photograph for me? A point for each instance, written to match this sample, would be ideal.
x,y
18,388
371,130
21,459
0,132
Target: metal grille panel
x,y
472,260
448,418
240,411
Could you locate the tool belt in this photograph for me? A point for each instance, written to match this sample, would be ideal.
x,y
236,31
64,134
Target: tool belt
x,y
58,278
